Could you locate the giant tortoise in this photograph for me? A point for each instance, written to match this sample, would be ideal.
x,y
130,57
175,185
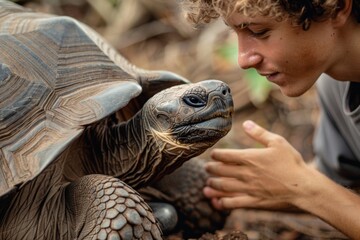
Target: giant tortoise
x,y
81,128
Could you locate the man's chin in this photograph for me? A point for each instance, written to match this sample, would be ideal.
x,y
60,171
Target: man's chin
x,y
292,92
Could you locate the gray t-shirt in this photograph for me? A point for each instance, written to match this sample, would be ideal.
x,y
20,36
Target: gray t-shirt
x,y
337,139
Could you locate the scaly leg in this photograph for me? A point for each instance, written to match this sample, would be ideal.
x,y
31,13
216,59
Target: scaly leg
x,y
183,189
103,207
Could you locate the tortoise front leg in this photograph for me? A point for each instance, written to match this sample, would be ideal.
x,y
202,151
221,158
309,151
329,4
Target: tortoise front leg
x,y
183,189
103,207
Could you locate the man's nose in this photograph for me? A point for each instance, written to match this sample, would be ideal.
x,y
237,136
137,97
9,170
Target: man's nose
x,y
248,59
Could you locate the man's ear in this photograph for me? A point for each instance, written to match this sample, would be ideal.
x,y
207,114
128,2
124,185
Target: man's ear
x,y
343,13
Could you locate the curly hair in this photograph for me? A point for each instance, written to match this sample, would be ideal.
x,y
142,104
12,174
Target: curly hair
x,y
301,13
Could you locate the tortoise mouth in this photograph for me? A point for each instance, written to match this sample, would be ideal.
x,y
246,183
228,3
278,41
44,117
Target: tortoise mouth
x,y
209,129
217,120
219,123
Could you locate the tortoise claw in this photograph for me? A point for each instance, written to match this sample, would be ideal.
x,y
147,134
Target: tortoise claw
x,y
166,215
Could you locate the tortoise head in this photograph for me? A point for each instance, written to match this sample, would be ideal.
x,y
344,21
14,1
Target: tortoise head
x,y
190,117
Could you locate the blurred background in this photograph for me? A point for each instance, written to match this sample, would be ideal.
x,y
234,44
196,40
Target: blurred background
x,y
154,34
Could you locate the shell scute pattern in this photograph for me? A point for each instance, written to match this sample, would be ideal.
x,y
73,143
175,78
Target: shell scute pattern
x,y
48,83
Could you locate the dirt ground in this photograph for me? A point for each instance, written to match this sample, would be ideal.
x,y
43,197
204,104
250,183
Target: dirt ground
x,y
155,35
264,225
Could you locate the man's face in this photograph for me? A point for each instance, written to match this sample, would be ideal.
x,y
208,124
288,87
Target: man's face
x,y
287,55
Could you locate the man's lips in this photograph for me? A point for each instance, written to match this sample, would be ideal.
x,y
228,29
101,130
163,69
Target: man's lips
x,y
268,74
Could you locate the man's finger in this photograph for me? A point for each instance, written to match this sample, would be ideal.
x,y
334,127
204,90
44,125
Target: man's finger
x,y
216,202
224,170
211,193
247,201
259,134
238,156
229,171
227,184
243,201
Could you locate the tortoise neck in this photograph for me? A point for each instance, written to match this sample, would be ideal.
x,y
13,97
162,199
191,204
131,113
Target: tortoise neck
x,y
126,151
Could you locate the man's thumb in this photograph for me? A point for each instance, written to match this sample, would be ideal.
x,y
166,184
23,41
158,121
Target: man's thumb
x,y
258,133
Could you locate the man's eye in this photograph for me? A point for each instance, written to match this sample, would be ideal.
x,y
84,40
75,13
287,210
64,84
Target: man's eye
x,y
260,33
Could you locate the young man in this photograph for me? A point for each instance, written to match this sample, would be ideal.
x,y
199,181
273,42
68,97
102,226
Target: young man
x,y
295,44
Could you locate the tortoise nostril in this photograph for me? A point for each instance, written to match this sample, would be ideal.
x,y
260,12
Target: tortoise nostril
x,y
226,90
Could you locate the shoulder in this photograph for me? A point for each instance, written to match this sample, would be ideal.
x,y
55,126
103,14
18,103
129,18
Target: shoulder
x,y
330,90
327,84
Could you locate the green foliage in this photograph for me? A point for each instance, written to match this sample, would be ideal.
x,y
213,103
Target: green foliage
x,y
114,3
259,86
228,51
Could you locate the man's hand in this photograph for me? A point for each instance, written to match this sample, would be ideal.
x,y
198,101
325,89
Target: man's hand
x,y
270,177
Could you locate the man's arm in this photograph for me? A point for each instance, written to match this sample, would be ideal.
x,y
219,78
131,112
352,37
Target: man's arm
x,y
276,177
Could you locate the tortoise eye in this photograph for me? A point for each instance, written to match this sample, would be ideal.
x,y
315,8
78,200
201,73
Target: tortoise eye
x,y
194,101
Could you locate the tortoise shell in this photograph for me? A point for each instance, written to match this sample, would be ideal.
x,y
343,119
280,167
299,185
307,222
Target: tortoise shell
x,y
56,76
